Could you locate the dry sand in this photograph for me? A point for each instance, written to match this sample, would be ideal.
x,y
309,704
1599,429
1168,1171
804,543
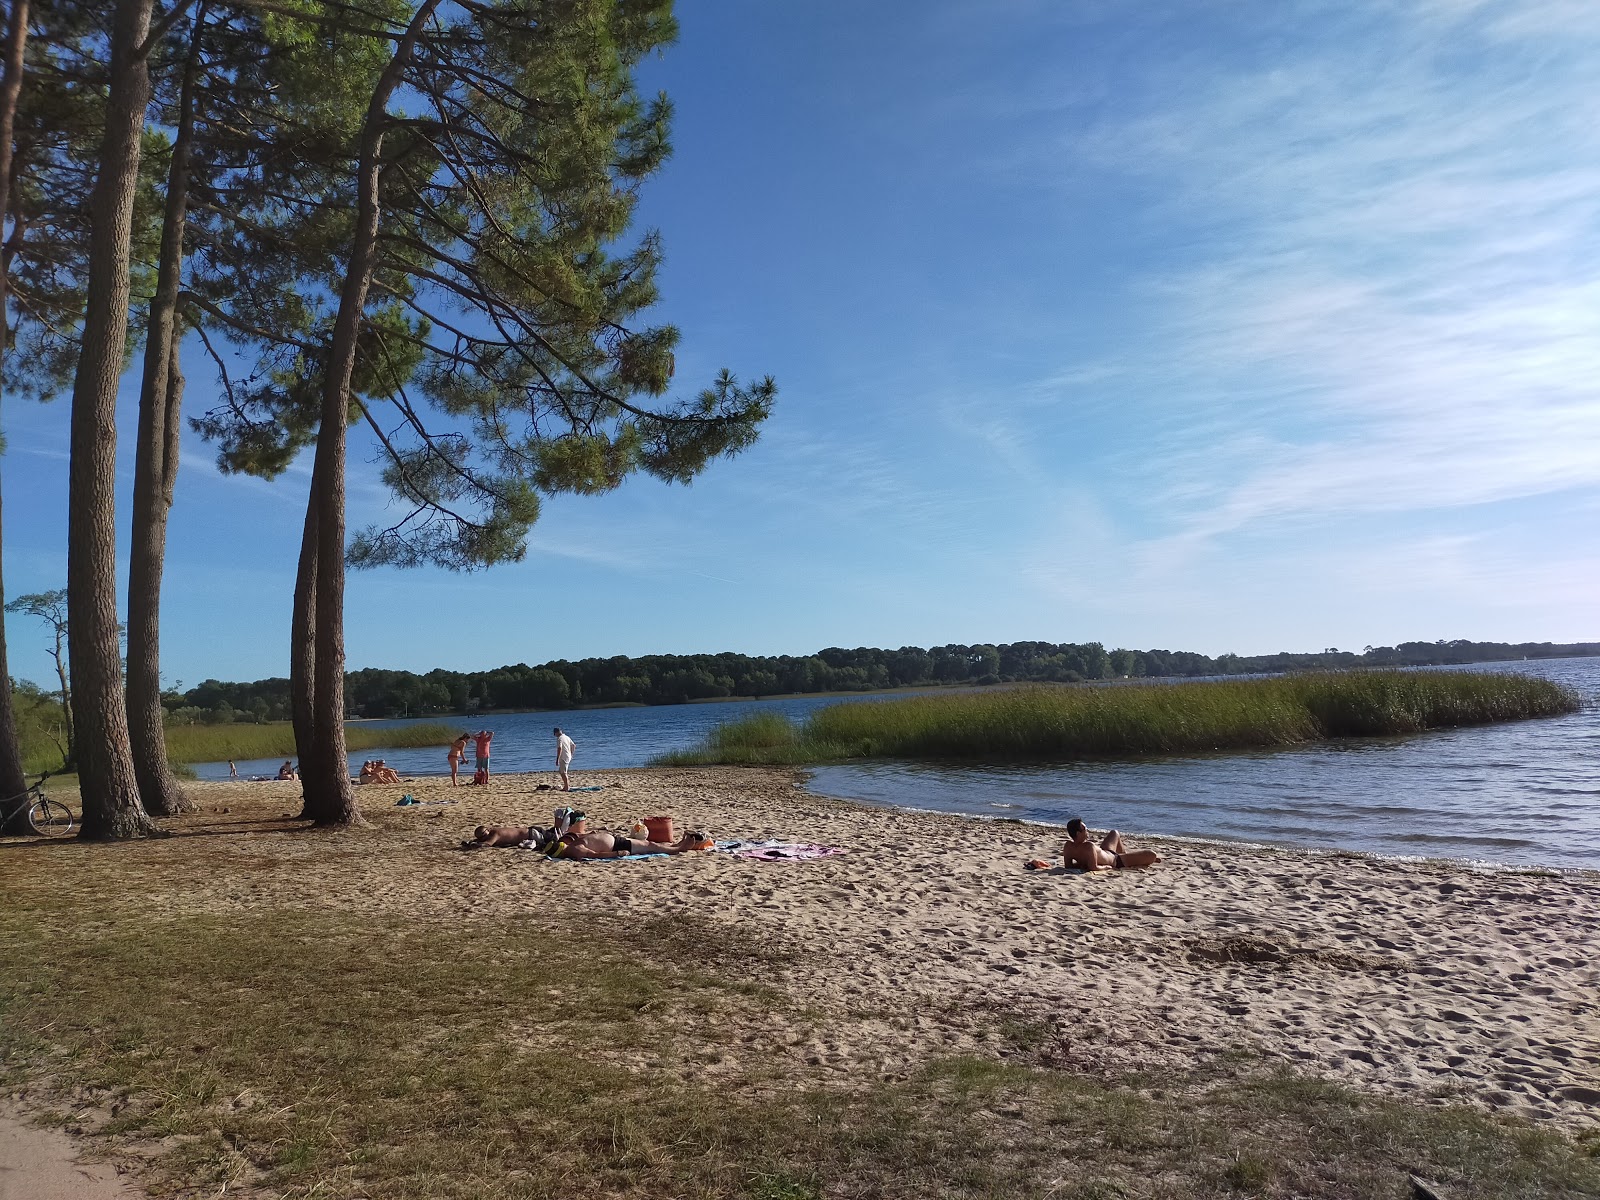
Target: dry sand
x,y
1409,978
1415,979
43,1164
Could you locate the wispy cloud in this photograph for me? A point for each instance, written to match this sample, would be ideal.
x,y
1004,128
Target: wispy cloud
x,y
1396,301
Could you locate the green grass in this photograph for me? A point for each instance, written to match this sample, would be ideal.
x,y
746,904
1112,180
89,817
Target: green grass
x,y
217,743
340,1055
1044,722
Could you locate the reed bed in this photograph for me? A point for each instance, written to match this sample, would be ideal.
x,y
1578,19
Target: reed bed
x,y
1065,722
217,743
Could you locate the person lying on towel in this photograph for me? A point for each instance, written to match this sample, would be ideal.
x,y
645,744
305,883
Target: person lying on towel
x,y
485,836
578,842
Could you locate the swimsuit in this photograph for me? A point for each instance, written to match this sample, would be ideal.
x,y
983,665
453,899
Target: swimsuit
x,y
1116,861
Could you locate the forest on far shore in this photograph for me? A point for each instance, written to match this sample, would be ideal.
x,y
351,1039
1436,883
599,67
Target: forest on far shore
x,y
681,678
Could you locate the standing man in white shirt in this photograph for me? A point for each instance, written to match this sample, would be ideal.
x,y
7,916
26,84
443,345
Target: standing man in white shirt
x,y
564,749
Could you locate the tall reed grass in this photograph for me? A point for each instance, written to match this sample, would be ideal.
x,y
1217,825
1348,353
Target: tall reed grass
x,y
1065,722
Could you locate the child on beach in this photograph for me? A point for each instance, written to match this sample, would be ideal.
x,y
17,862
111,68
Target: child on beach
x,y
482,739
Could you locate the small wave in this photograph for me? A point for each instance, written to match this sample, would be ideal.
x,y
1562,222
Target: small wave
x,y
1320,833
1446,839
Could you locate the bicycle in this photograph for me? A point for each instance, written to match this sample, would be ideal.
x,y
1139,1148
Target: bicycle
x,y
46,817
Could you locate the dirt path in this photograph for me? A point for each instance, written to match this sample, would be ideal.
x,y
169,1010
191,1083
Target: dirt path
x,y
43,1164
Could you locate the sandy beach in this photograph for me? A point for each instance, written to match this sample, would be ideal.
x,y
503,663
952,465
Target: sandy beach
x,y
1427,981
1416,979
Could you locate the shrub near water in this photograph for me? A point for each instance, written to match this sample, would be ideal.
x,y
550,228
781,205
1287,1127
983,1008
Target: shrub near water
x,y
1114,722
216,743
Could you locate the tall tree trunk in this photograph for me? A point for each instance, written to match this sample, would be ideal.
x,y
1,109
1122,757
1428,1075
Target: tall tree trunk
x,y
111,807
302,643
156,471
329,799
12,779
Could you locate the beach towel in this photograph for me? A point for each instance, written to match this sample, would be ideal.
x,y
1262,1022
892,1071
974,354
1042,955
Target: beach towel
x,y
598,862
777,851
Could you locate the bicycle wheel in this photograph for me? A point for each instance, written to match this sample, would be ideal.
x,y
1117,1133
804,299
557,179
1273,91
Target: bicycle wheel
x,y
50,818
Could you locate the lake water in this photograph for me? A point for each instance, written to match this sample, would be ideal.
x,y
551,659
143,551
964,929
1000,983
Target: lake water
x,y
1525,793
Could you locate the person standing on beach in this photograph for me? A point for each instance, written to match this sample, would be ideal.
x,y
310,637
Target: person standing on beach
x,y
1109,855
458,753
564,748
483,737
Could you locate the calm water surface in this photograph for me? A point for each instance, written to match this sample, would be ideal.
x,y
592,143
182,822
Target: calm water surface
x,y
607,738
1526,793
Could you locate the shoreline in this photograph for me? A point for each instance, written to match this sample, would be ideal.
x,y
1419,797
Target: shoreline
x,y
1481,866
1485,866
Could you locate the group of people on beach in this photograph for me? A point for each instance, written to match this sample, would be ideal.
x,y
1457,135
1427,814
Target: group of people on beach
x,y
571,838
458,755
481,742
377,771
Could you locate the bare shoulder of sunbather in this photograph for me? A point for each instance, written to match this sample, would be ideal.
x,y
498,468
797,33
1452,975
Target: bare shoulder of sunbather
x,y
485,836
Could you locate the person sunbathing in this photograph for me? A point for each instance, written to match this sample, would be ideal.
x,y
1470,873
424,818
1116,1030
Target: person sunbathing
x,y
578,842
486,836
1108,855
581,846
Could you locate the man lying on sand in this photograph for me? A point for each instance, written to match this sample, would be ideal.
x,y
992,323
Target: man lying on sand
x,y
1109,855
485,836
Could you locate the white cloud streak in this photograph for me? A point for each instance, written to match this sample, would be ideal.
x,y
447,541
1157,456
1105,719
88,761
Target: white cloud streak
x,y
1398,305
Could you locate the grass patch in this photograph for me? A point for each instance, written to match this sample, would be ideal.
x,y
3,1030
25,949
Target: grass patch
x,y
1064,722
218,743
342,1055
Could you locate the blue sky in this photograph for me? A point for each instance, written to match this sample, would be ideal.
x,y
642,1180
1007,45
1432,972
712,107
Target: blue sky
x,y
1196,324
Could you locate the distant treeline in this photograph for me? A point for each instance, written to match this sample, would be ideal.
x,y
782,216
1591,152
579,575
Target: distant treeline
x,y
680,678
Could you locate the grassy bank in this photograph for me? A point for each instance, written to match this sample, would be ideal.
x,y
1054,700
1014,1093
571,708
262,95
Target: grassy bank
x,y
1065,722
216,743
309,1052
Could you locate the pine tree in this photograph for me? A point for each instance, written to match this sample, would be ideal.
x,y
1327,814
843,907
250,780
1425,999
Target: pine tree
x,y
111,804
482,330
